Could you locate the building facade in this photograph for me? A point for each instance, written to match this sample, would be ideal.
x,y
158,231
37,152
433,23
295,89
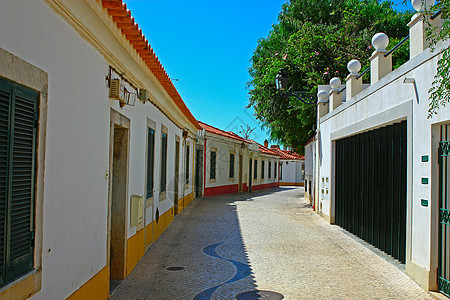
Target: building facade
x,y
97,144
233,164
381,170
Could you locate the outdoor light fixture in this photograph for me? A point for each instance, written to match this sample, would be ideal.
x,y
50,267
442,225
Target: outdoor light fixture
x,y
281,81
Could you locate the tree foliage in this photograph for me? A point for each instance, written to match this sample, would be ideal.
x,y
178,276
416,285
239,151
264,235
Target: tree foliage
x,y
440,89
313,41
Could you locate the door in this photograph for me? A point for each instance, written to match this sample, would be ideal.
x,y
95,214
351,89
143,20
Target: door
x,y
198,172
177,177
250,178
240,173
119,175
444,213
370,187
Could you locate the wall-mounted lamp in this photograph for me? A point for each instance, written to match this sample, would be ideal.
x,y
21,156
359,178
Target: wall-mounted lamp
x,y
281,82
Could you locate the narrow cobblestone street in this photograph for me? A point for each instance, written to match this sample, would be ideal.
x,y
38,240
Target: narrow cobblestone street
x,y
220,247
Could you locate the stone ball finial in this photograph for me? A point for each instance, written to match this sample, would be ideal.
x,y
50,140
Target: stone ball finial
x,y
354,66
421,5
335,83
322,96
380,41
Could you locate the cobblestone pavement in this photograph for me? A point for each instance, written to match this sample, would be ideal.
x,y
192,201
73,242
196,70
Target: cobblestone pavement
x,y
269,240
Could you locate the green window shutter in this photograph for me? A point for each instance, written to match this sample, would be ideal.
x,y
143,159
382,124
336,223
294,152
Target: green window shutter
x,y
212,161
187,163
150,161
255,171
269,169
231,171
163,162
18,120
21,183
262,170
5,94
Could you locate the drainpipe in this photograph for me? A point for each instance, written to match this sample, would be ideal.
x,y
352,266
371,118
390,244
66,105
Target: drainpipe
x,y
204,169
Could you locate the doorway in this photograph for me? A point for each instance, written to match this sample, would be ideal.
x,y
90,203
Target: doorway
x,y
240,173
177,171
118,192
250,175
198,172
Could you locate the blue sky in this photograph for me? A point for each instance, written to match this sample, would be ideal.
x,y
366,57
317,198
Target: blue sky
x,y
205,47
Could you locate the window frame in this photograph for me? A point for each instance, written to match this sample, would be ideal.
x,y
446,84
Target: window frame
x,y
269,169
151,125
30,283
255,169
187,165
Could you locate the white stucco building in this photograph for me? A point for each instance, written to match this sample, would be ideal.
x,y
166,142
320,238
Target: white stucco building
x,y
377,158
233,164
99,179
291,167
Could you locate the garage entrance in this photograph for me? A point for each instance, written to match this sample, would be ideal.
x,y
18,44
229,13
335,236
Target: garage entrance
x,y
370,187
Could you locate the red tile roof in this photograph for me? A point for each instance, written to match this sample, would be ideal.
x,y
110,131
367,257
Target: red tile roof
x,y
122,17
287,154
221,132
265,150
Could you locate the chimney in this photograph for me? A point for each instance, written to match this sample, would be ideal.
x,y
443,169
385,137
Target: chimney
x,y
266,143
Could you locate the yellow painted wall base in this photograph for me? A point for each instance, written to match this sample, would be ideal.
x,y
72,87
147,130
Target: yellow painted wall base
x,y
135,250
292,183
138,243
95,288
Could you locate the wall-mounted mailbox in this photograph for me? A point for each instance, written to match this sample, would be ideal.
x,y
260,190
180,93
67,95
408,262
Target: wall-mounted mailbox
x,y
137,210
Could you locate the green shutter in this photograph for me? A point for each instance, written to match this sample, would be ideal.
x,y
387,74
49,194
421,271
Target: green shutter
x,y
212,162
187,164
163,162
22,149
5,94
18,119
270,169
150,161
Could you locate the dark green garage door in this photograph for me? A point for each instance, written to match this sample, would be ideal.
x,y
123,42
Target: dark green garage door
x,y
371,187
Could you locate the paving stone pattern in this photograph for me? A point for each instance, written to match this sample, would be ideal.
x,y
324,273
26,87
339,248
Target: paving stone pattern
x,y
269,240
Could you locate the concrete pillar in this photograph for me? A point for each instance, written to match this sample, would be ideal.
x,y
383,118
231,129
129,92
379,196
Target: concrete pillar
x,y
322,104
380,65
417,32
335,96
353,84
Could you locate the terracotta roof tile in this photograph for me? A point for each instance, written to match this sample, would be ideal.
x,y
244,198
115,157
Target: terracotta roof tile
x,y
221,132
122,17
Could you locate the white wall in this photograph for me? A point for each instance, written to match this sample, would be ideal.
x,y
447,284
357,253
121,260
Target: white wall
x,y
381,104
77,149
77,145
292,171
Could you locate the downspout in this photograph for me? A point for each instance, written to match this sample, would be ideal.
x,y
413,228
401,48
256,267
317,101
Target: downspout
x,y
204,168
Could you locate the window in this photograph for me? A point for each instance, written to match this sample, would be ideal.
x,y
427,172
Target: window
x,y
150,161
187,163
212,165
270,170
281,171
255,170
262,169
18,132
231,171
163,162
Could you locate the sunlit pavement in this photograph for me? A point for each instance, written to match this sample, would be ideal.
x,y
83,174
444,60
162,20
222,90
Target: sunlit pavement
x,y
269,241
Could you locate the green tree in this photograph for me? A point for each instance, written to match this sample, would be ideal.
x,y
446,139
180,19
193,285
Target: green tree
x,y
440,89
313,41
